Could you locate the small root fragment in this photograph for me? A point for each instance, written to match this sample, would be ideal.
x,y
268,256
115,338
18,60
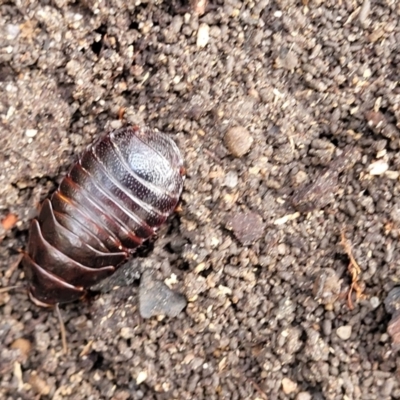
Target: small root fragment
x,y
9,288
354,270
62,329
121,113
259,390
86,349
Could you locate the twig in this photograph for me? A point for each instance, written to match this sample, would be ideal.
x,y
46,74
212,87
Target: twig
x,y
9,288
354,270
259,390
62,328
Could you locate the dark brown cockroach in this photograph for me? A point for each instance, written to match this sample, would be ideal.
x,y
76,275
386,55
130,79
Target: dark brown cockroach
x,y
121,190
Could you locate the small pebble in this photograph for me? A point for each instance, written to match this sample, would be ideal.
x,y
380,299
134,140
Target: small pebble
x,y
374,301
288,386
31,133
327,286
231,179
299,178
282,249
116,124
238,141
392,301
247,227
387,387
12,31
203,35
288,62
378,167
39,385
344,332
127,332
141,377
392,174
199,6
327,327
156,298
23,345
304,396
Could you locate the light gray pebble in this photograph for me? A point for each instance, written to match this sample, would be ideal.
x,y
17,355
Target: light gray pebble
x,y
374,301
344,332
327,327
303,396
12,31
231,179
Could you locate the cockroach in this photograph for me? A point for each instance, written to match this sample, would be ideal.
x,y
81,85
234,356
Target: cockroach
x,y
119,192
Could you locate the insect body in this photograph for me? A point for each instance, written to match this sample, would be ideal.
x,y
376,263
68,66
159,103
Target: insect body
x,y
121,190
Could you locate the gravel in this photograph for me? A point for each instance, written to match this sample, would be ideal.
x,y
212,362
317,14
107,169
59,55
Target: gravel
x,y
310,82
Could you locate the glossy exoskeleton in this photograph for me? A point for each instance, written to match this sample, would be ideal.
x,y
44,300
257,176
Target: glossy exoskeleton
x,y
120,191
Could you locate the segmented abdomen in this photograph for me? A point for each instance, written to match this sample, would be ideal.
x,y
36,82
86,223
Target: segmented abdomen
x,y
121,190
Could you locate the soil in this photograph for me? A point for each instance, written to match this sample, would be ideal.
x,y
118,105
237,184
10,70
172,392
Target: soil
x,y
280,312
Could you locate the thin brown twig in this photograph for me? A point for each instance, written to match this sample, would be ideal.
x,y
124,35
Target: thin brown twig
x,y
121,113
62,329
259,390
9,288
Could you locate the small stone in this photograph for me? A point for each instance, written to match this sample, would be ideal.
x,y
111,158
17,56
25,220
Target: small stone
x,y
288,386
156,298
327,286
344,332
231,179
12,31
304,396
39,385
238,141
374,301
199,6
247,227
141,377
31,133
195,284
378,167
392,174
299,178
327,327
392,301
127,332
289,62
282,249
203,35
116,124
23,345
